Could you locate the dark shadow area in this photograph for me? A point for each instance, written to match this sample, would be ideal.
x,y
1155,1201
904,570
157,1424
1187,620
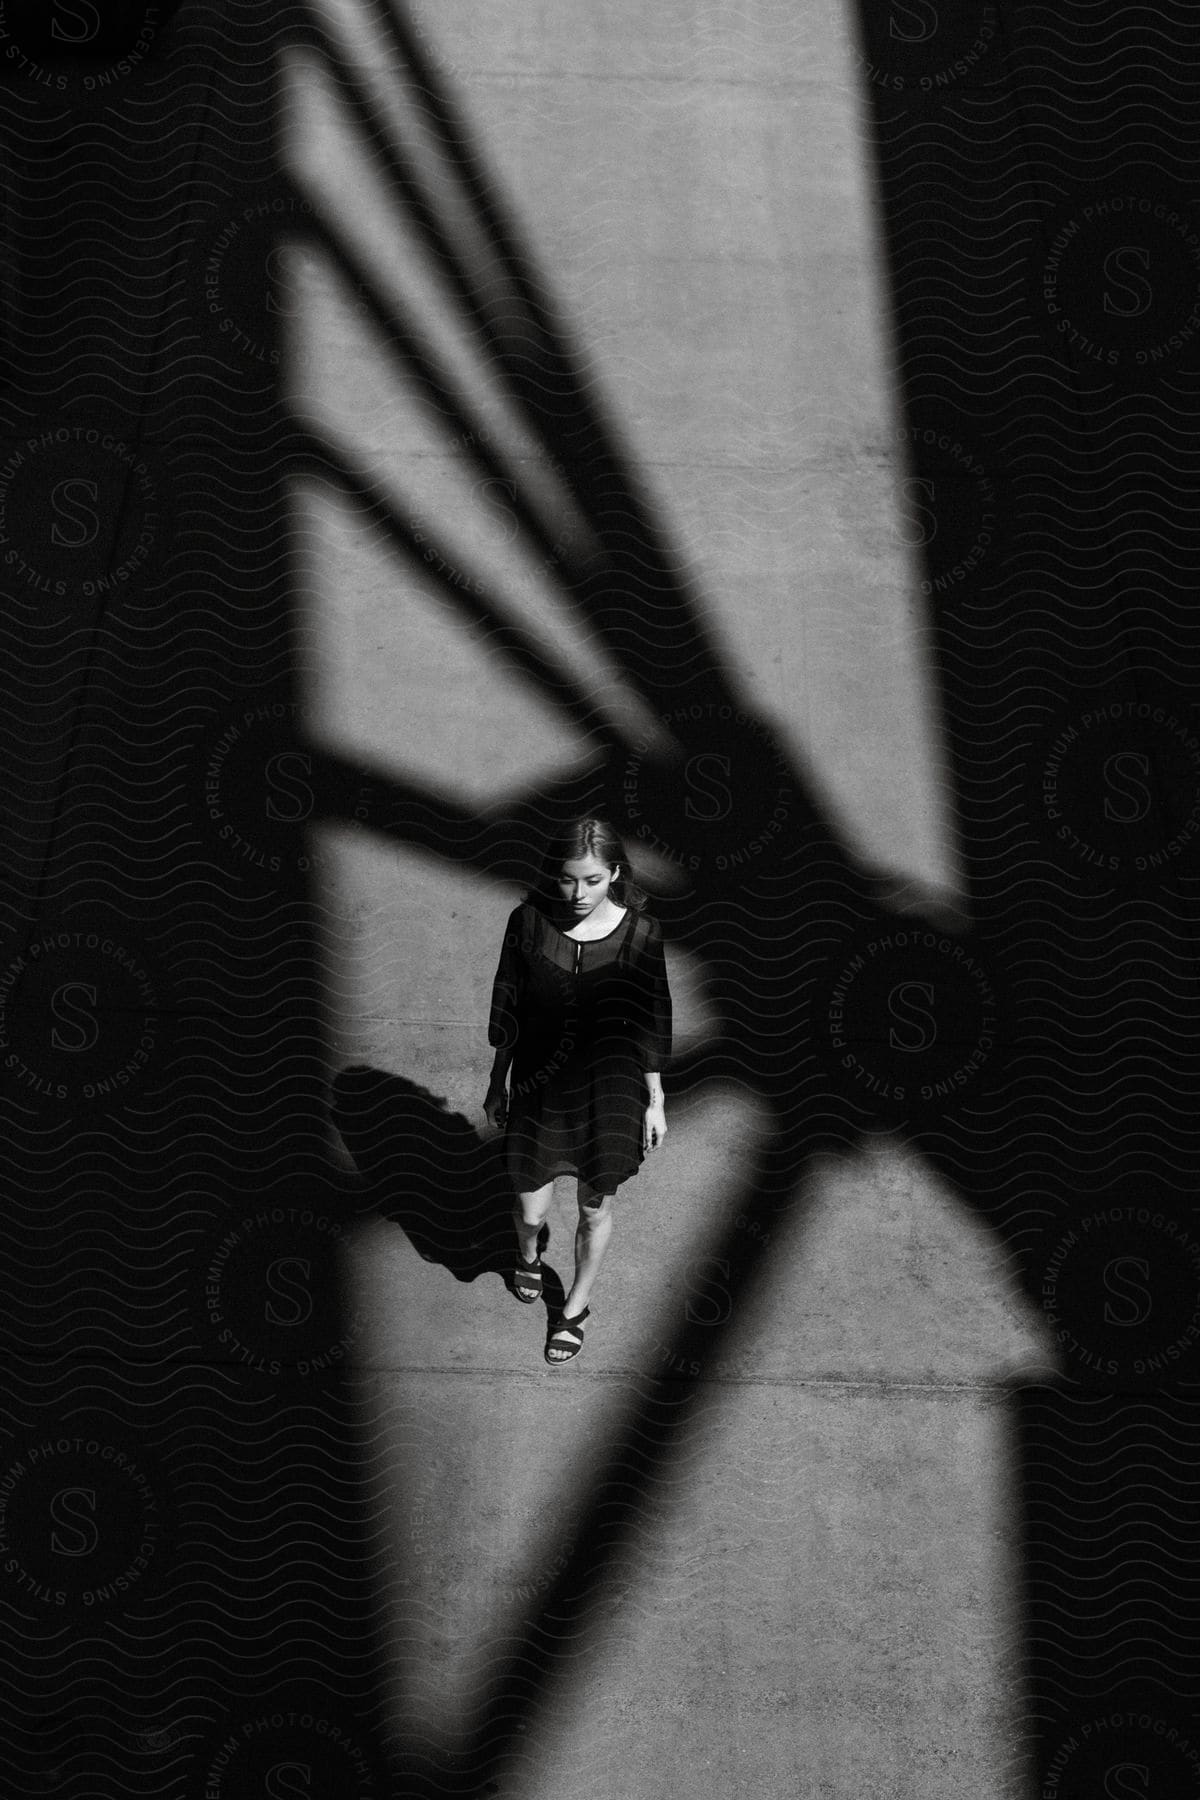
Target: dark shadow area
x,y
431,1172
185,1592
428,1170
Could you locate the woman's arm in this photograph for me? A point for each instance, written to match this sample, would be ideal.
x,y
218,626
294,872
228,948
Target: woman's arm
x,y
503,1026
654,1119
495,1101
656,1008
656,1044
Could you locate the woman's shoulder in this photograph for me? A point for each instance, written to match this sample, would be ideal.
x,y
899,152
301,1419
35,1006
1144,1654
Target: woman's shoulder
x,y
522,919
646,928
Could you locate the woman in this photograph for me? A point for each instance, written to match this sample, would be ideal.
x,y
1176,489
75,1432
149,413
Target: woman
x,y
581,1011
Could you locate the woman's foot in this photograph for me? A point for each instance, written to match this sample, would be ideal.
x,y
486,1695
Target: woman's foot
x,y
527,1279
566,1337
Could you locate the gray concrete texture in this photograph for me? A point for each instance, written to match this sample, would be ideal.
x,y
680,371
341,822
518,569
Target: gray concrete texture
x,y
819,1599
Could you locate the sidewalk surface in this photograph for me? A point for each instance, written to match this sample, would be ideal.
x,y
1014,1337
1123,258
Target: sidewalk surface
x,y
816,1598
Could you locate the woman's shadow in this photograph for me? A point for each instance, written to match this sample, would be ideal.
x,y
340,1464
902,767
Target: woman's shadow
x,y
432,1173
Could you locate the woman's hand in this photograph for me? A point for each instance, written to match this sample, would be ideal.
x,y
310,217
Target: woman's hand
x,y
495,1106
654,1125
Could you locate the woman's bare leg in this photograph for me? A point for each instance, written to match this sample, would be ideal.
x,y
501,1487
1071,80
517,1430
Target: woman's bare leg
x,y
592,1235
529,1215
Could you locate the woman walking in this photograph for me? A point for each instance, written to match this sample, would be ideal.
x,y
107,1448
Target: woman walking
x,y
581,1014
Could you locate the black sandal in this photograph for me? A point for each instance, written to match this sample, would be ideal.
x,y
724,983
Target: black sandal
x,y
530,1273
565,1330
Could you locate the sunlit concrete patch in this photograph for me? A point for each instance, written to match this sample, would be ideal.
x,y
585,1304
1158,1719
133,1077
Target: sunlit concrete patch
x,y
771,43
823,1613
818,1575
406,951
713,240
813,1598
883,1271
403,679
716,345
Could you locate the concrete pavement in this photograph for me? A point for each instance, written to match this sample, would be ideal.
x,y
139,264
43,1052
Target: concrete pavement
x,y
818,1600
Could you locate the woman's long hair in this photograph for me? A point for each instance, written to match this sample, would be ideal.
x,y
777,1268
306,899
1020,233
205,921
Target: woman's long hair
x,y
587,837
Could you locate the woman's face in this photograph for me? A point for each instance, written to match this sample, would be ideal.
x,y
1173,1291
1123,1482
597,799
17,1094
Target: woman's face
x,y
583,884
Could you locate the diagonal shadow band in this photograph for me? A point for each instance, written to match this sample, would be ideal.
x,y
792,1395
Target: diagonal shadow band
x,y
479,611
528,352
437,389
544,1650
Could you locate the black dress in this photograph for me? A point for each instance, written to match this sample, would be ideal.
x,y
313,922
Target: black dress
x,y
585,1021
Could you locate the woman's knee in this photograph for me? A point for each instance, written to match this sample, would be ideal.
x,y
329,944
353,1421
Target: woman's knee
x,y
594,1208
533,1207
